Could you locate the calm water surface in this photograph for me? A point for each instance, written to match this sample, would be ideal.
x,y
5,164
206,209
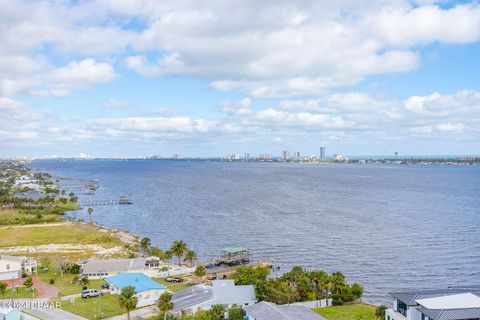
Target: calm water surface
x,y
387,227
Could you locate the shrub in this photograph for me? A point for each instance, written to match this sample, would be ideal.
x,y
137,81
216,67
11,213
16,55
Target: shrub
x,y
52,281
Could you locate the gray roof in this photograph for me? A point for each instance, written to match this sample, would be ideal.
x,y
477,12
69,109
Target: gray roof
x,y
270,311
13,258
31,194
192,296
226,292
113,265
452,314
410,297
220,292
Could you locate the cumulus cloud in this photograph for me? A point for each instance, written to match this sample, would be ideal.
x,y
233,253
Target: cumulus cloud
x,y
263,49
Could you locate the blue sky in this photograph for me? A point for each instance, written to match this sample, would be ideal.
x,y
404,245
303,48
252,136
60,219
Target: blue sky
x,y
136,78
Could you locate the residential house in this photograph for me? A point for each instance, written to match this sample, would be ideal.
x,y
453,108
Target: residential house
x,y
12,267
98,269
271,311
203,297
448,304
147,290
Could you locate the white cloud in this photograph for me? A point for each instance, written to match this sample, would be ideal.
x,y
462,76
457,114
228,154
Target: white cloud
x,y
264,49
240,107
450,127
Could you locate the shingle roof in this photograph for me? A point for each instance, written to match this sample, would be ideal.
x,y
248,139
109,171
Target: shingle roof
x,y
452,314
138,280
113,265
270,311
410,297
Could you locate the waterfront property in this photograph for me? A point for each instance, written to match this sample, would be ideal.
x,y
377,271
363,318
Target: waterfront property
x,y
12,267
203,297
271,311
98,269
448,304
147,290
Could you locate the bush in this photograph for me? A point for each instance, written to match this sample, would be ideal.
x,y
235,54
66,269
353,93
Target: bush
x,y
52,281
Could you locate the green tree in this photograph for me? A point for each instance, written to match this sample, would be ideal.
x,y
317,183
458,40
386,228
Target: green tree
x,y
200,271
235,313
245,275
3,288
128,300
157,252
178,249
71,194
145,243
380,312
190,257
168,255
28,284
217,312
357,290
90,211
165,304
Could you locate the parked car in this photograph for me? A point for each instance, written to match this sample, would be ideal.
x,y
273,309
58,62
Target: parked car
x,y
90,293
174,280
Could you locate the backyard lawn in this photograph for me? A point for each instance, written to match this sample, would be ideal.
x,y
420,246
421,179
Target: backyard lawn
x,y
348,312
65,284
19,293
90,308
174,287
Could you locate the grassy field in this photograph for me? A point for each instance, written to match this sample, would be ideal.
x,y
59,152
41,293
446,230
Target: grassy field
x,y
15,216
20,294
174,287
73,235
65,284
348,312
90,308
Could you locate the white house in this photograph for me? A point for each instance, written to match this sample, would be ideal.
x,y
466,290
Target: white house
x,y
99,269
12,267
448,304
147,290
203,297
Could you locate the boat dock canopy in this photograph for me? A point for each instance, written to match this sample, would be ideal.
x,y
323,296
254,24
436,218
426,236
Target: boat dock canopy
x,y
234,251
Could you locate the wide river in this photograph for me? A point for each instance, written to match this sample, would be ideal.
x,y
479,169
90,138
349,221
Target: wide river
x,y
387,227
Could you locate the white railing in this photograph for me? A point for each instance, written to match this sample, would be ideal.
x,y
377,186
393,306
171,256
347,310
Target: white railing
x,y
394,315
315,303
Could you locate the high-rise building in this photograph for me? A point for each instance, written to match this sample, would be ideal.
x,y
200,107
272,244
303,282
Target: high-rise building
x,y
285,155
265,156
322,153
247,156
297,155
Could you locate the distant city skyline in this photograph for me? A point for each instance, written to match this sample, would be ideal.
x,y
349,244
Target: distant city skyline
x,y
200,79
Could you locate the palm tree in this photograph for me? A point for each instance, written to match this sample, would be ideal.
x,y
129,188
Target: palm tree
x,y
128,300
179,247
90,211
190,257
380,312
167,255
165,304
145,243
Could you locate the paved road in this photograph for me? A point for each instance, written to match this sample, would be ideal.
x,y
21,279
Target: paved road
x,y
53,314
142,313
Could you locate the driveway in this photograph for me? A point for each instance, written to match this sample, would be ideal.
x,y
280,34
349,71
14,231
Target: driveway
x,y
45,290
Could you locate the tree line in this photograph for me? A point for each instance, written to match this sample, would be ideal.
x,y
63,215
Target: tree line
x,y
298,285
